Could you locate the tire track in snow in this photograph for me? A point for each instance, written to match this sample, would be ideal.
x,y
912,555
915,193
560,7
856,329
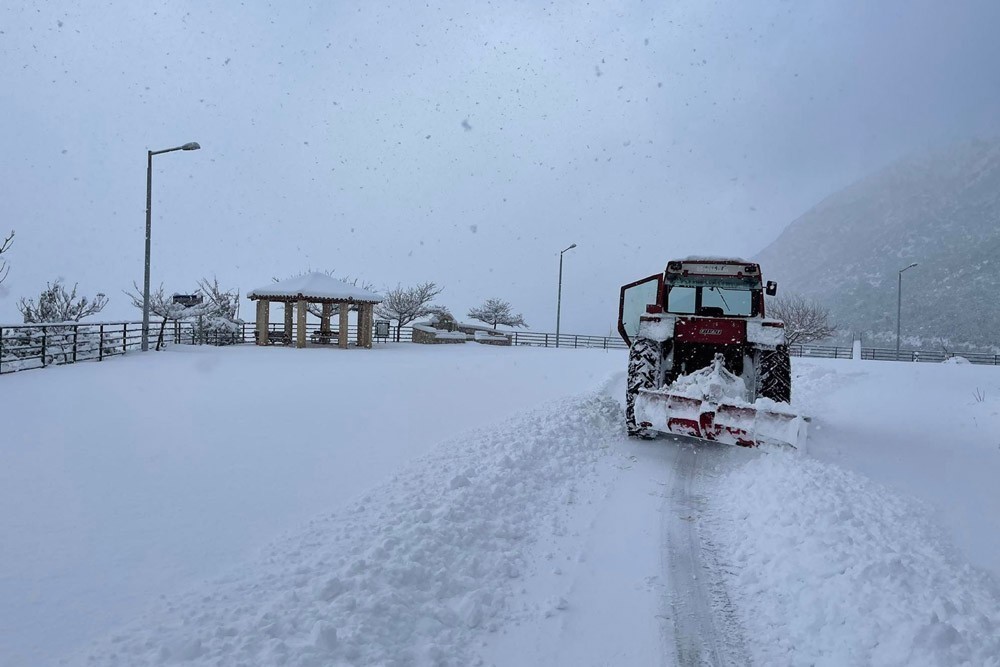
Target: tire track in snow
x,y
700,624
703,628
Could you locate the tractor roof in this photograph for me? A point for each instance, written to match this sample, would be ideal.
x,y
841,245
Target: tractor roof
x,y
718,259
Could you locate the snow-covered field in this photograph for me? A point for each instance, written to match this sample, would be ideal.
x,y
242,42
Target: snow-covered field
x,y
458,505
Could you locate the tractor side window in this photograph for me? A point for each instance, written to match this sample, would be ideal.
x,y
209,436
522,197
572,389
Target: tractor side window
x,y
634,301
681,300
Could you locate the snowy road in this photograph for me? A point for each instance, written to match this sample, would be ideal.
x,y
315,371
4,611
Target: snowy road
x,y
640,585
542,537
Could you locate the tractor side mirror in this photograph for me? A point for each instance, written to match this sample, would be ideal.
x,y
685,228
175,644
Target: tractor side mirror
x,y
771,289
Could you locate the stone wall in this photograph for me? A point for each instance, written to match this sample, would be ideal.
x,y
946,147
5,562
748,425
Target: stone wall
x,y
429,336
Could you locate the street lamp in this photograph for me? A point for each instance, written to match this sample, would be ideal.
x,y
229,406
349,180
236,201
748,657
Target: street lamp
x,y
899,303
190,146
559,298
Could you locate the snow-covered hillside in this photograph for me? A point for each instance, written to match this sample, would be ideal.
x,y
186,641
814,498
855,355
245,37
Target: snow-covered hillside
x,y
480,505
939,210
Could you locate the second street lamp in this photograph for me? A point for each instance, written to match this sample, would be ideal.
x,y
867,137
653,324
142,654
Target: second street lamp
x,y
190,146
899,303
559,297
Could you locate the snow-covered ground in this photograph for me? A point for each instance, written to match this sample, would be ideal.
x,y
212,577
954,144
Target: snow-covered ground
x,y
455,505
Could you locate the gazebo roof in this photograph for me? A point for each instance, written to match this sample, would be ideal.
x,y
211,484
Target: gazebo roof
x,y
316,287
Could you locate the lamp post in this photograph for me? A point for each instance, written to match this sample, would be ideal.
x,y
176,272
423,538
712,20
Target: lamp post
x,y
191,146
899,304
559,298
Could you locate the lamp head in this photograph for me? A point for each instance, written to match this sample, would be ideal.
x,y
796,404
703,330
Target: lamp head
x,y
191,146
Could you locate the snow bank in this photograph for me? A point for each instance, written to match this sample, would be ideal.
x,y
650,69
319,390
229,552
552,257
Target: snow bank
x,y
829,568
408,574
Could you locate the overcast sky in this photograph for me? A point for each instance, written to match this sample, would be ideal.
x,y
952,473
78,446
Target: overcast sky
x,y
465,143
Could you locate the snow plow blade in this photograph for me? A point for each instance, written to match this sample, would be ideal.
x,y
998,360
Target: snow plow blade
x,y
742,425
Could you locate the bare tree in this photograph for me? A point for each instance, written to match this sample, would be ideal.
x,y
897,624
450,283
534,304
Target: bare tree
x,y
224,303
57,304
497,311
160,304
806,321
216,311
405,304
4,247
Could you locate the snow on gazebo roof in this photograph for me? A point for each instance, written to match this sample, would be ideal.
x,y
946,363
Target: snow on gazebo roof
x,y
314,287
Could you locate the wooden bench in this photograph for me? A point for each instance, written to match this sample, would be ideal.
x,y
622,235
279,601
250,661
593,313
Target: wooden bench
x,y
324,337
273,337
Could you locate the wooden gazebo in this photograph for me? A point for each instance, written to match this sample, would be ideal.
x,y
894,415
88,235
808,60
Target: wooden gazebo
x,y
316,288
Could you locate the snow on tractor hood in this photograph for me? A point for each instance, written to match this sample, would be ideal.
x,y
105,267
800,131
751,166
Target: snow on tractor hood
x,y
765,331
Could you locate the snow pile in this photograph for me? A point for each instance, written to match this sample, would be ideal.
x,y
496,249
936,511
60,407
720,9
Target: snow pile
x,y
713,383
956,360
406,575
829,568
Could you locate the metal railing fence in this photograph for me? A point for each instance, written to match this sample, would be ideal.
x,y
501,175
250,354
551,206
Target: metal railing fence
x,y
30,346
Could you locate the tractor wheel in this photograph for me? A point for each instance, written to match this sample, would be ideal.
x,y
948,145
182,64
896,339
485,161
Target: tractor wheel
x,y
643,370
776,375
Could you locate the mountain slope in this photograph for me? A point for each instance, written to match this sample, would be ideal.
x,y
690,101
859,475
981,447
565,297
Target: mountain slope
x,y
941,210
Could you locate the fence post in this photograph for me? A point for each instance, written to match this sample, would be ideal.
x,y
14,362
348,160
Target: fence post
x,y
76,336
100,344
576,339
44,330
546,340
124,337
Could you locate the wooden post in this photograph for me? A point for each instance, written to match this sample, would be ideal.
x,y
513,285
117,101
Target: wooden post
x,y
324,322
300,333
345,310
288,322
262,321
369,324
363,319
360,333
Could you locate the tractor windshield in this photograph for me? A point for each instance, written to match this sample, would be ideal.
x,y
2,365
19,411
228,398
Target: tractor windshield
x,y
712,296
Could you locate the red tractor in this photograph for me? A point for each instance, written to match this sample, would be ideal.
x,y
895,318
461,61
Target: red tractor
x,y
704,361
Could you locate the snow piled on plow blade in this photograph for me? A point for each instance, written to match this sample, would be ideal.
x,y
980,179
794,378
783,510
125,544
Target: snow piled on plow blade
x,y
748,425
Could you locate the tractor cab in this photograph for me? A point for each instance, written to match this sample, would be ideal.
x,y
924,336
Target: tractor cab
x,y
695,288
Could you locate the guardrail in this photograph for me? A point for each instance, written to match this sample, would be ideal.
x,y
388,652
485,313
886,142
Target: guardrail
x,y
566,340
24,347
